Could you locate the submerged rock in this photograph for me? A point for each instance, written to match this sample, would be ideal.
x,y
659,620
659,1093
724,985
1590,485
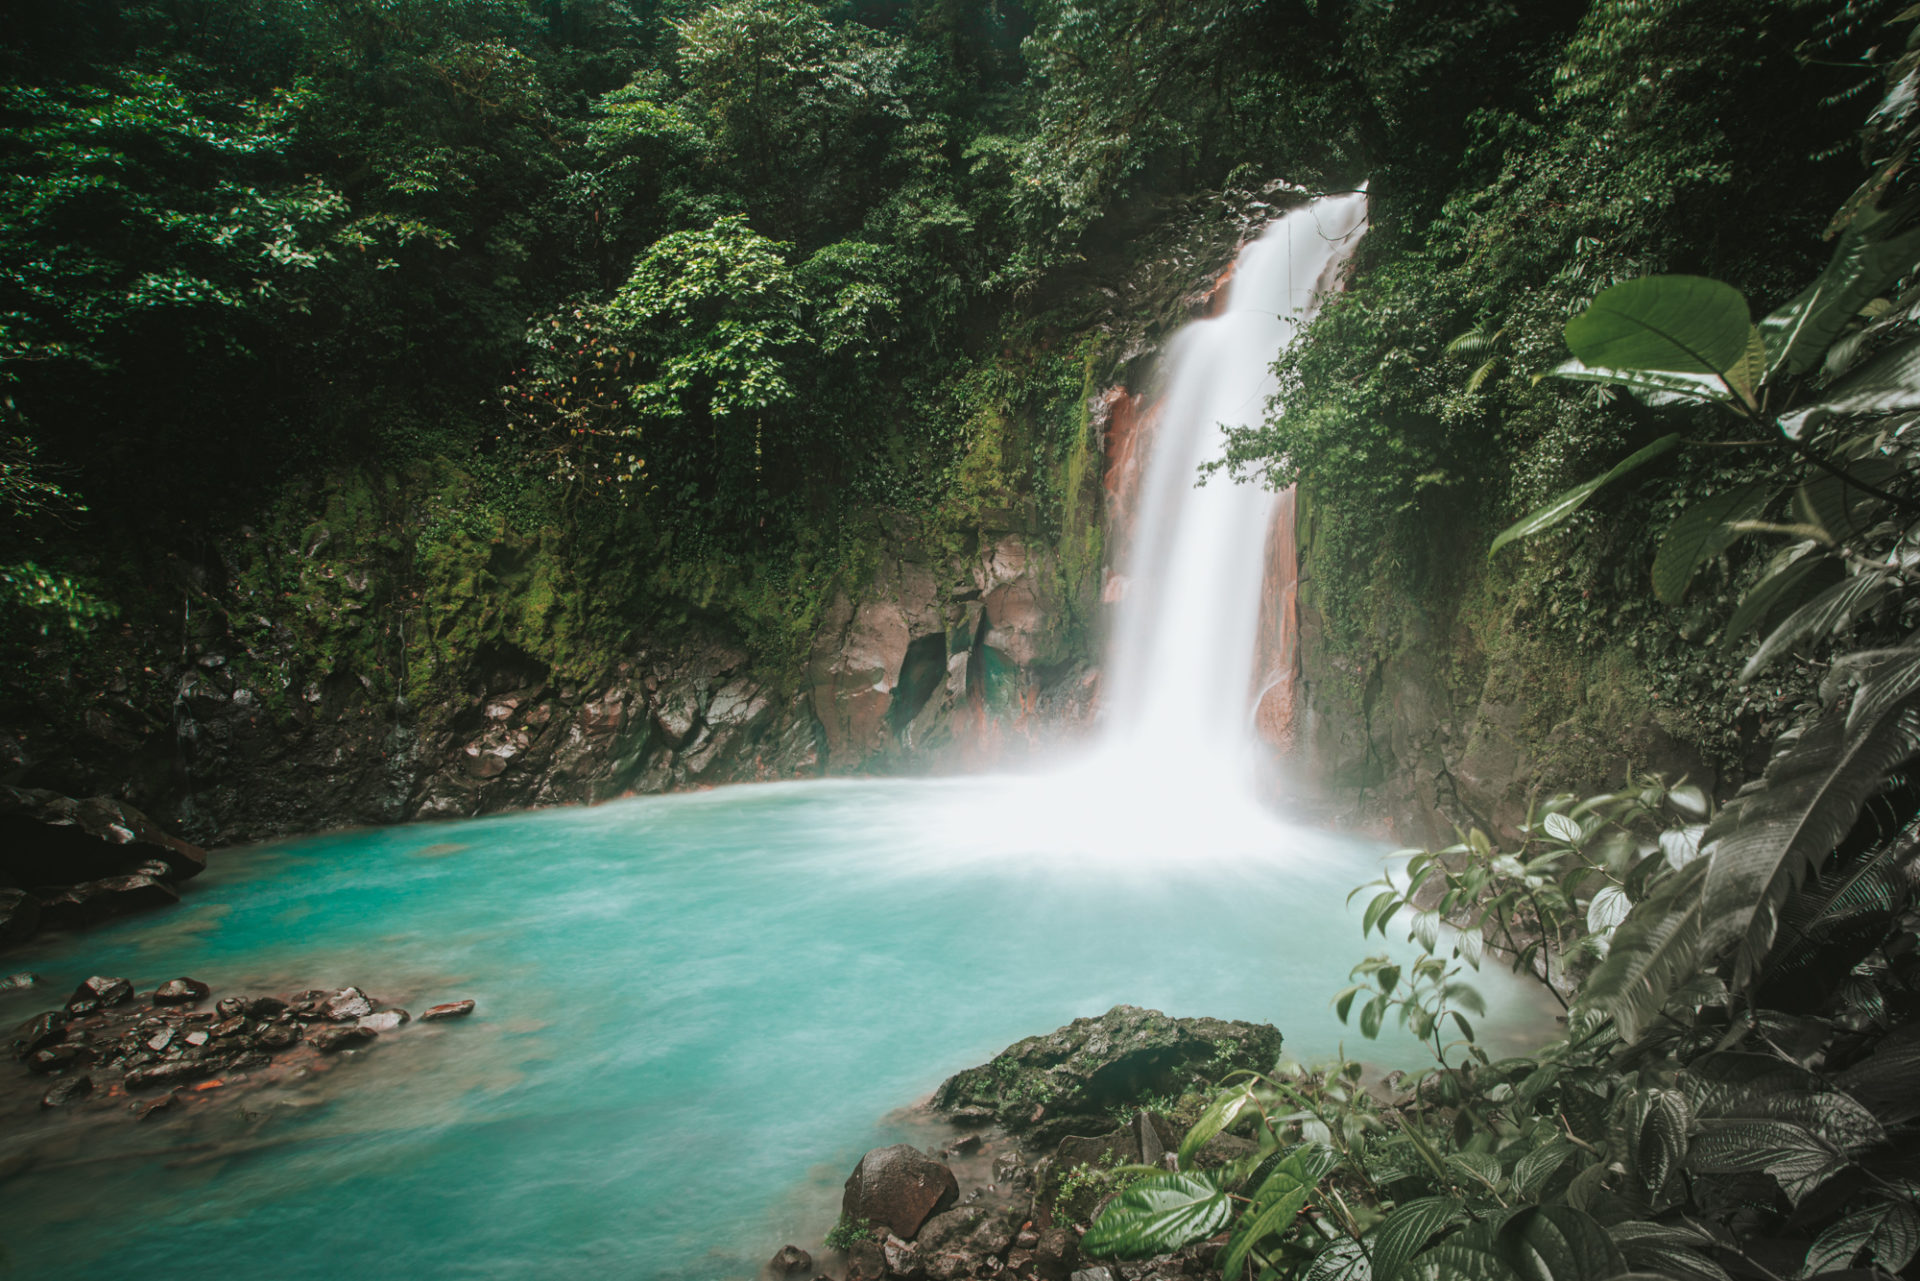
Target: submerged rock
x,y
1054,1085
331,1040
71,1090
451,1010
900,1188
97,901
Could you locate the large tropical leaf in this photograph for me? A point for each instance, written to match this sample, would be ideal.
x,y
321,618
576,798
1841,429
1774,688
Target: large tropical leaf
x,y
1344,1260
1656,384
1877,248
1280,1197
1558,1243
1788,576
1160,1213
1657,1137
1793,1155
1887,1082
1761,846
1402,1233
1574,499
1827,614
1653,949
1887,384
1886,1230
1683,324
1667,1251
1700,533
1841,507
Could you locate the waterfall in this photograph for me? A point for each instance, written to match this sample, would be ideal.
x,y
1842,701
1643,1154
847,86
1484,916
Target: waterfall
x,y
1182,687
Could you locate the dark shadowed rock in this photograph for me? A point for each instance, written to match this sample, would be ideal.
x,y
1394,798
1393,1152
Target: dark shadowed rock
x,y
50,839
903,1258
1052,1085
278,1036
19,916
265,1007
99,993
899,1187
181,991
97,901
866,1261
230,1007
791,1260
959,1242
66,1092
58,1058
1056,1254
451,1010
331,1040
40,1032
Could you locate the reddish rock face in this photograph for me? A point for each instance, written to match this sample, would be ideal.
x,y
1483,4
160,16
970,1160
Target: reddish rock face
x,y
1277,659
1129,429
899,1188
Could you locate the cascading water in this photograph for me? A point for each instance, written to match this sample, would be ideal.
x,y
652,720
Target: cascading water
x,y
695,1012
1180,684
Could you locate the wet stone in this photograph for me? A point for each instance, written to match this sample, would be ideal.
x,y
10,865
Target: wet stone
x,y
100,992
69,1091
451,1010
229,1027
277,1036
38,1033
176,1073
346,1005
251,1061
19,982
385,1020
331,1040
230,1007
197,1039
159,1041
181,991
59,1058
791,1259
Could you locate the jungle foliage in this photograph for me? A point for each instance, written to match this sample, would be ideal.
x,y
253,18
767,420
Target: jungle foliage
x,y
1734,1093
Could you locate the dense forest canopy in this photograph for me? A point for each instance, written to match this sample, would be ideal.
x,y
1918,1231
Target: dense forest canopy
x,y
720,275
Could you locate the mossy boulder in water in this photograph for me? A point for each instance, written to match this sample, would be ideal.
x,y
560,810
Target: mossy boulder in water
x,y
1054,1085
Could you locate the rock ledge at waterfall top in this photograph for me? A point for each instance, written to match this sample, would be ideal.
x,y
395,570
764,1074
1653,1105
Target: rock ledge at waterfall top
x,y
1047,1087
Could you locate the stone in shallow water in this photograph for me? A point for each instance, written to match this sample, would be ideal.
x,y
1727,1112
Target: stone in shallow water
x,y
331,1040
278,1036
17,982
176,1073
791,1259
58,1058
181,991
39,1032
866,1261
100,992
451,1010
71,1090
385,1020
197,1039
265,1007
230,1007
346,1005
898,1187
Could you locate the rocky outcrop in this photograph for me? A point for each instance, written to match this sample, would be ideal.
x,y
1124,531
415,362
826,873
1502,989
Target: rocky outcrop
x,y
1060,1084
68,864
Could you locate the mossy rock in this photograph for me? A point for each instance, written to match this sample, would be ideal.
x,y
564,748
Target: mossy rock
x,y
1079,1075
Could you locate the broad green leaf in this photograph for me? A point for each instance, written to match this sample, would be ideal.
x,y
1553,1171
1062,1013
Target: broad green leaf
x,y
1667,1251
1821,618
1792,570
1537,1166
1796,1158
1403,1233
1558,1243
1843,509
1700,533
1886,1230
1652,950
1279,1199
1658,1143
1764,842
1574,499
1371,1015
1609,907
1226,1106
1562,828
1160,1213
1379,912
1344,1260
1657,384
1680,324
1750,370
1877,248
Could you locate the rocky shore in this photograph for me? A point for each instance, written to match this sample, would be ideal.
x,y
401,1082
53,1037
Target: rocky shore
x,y
1042,1138
112,1048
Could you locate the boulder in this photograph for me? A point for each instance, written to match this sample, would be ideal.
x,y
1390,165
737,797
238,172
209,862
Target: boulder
x,y
19,916
790,1260
181,991
900,1188
331,1040
95,901
99,993
1056,1085
451,1010
50,839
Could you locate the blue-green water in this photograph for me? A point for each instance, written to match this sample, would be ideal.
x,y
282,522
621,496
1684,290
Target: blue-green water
x,y
694,1014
